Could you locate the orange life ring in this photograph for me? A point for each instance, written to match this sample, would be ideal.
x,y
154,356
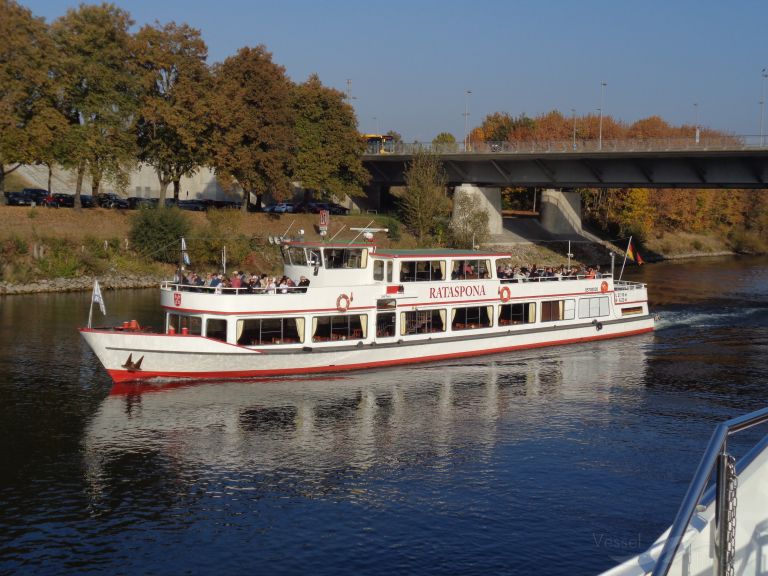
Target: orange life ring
x,y
505,294
603,286
342,303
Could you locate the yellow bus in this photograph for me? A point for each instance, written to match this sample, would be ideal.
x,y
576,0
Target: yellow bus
x,y
379,143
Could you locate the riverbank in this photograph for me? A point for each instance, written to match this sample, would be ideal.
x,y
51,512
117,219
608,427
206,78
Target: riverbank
x,y
48,250
82,283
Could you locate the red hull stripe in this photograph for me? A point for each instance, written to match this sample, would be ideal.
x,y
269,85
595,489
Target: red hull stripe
x,y
126,376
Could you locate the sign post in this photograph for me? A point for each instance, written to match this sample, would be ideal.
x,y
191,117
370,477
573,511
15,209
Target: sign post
x,y
325,218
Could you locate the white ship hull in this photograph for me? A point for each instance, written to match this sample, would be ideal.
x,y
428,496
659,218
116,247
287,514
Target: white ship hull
x,y
446,304
176,356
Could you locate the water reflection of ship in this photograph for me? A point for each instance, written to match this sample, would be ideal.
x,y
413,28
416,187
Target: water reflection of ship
x,y
316,426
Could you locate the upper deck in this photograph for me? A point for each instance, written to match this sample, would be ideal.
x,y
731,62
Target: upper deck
x,y
367,275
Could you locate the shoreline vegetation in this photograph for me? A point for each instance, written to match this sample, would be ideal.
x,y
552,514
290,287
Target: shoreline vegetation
x,y
47,250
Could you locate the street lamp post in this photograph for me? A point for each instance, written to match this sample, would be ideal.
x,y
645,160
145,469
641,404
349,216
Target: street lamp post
x,y
573,113
603,84
697,134
763,76
466,120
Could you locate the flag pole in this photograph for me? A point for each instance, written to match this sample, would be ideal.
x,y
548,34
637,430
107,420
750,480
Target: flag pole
x,y
90,308
625,257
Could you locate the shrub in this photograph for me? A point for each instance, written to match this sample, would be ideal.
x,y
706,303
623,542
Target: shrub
x,y
748,242
156,233
13,246
470,222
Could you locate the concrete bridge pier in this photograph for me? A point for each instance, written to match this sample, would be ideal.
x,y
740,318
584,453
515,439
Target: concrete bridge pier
x,y
561,211
490,200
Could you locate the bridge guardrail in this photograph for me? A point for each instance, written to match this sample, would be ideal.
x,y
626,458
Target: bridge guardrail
x,y
580,146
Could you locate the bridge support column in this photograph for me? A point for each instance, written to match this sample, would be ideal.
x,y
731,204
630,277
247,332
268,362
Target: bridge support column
x,y
561,211
490,200
371,200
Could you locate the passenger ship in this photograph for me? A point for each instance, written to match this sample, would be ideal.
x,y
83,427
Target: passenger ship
x,y
367,307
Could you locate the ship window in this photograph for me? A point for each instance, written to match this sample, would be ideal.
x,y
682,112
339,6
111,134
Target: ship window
x,y
594,307
504,268
194,324
422,270
471,317
261,331
332,328
294,255
216,329
422,321
345,258
517,313
470,269
385,324
389,271
554,310
378,269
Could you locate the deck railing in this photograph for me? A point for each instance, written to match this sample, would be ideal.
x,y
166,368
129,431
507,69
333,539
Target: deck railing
x,y
716,460
581,146
172,286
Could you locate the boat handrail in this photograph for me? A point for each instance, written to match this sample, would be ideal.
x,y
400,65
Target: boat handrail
x,y
628,285
553,278
172,286
715,453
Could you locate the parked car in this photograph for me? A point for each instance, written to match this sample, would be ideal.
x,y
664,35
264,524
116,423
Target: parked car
x,y
112,200
64,200
193,205
50,201
317,207
221,204
26,197
87,201
135,202
280,208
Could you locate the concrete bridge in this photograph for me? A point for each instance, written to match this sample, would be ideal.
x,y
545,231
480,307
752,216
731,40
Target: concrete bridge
x,y
484,168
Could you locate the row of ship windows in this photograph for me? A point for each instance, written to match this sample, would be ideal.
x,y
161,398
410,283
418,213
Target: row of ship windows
x,y
410,270
262,331
432,270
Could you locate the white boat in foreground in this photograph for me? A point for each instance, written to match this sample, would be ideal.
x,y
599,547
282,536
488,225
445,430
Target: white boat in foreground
x,y
368,307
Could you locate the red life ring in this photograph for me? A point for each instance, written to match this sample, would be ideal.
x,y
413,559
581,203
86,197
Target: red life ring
x,y
603,286
342,303
505,294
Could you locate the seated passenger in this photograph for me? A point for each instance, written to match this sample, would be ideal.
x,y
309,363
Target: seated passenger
x,y
303,283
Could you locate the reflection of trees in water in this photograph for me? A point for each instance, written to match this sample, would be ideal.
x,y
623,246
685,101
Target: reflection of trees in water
x,y
321,432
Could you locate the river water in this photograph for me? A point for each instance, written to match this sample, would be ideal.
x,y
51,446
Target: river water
x,y
554,461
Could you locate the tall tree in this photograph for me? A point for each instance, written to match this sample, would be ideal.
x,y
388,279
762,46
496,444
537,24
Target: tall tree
x,y
100,89
445,142
27,120
172,122
252,140
328,147
424,205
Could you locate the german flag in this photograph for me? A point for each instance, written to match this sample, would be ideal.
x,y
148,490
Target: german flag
x,y
634,255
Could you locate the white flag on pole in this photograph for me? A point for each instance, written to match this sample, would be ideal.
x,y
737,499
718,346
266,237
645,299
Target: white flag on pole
x,y
184,254
98,298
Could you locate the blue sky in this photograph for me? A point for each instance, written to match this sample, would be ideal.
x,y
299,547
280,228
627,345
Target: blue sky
x,y
411,62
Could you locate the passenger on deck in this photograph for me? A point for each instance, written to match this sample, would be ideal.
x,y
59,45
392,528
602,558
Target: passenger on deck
x,y
303,283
